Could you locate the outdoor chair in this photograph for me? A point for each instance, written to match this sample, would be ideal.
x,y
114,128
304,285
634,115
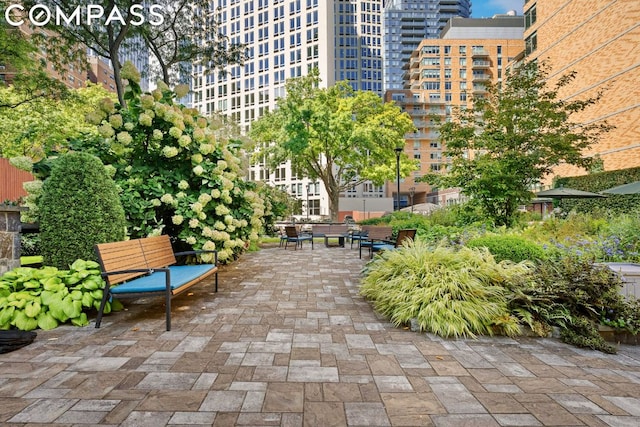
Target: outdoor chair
x,y
297,237
358,236
403,235
374,234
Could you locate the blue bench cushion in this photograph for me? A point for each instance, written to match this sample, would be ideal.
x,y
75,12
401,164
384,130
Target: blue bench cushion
x,y
382,247
180,275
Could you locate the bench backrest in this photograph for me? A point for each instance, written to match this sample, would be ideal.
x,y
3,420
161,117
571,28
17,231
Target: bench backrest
x,y
321,229
376,232
158,251
405,234
146,253
339,228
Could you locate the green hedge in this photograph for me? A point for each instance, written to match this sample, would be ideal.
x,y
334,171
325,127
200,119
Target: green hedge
x,y
79,207
513,248
597,182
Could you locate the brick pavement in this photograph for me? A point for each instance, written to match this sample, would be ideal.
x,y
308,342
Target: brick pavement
x,y
288,341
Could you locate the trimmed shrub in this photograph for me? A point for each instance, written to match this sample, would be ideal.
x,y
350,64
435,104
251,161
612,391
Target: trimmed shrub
x,y
79,207
512,248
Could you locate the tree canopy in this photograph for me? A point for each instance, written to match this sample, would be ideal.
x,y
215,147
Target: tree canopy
x,y
28,78
43,124
176,34
340,136
513,137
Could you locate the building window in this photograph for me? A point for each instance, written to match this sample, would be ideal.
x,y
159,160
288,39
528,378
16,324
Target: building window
x,y
530,17
531,43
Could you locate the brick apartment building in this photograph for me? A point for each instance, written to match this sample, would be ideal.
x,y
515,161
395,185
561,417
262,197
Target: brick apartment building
x,y
445,73
600,40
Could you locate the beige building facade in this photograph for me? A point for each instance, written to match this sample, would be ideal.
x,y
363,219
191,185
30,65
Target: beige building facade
x,y
600,41
444,74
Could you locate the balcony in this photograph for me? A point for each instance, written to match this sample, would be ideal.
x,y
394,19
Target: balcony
x,y
481,77
479,88
479,52
479,63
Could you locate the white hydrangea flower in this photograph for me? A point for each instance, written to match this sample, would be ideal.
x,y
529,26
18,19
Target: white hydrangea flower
x,y
183,184
209,246
197,158
181,195
193,222
116,121
147,101
145,119
215,193
129,126
175,132
198,170
204,198
207,232
124,138
106,130
169,152
157,134
191,240
202,216
155,202
177,219
184,140
222,210
167,198
219,225
206,149
196,207
228,219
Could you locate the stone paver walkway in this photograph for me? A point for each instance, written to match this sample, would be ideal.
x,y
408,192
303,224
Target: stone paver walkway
x,y
288,341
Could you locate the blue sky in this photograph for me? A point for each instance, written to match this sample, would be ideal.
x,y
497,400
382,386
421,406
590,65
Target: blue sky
x,y
488,8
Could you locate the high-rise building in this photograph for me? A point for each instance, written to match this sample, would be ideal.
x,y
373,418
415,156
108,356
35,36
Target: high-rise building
x,y
406,23
286,39
446,73
599,41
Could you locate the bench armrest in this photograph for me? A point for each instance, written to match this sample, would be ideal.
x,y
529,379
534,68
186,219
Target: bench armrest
x,y
133,270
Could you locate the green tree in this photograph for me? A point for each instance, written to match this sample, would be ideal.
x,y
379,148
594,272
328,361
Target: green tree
x,y
174,32
29,81
512,138
340,136
35,128
78,208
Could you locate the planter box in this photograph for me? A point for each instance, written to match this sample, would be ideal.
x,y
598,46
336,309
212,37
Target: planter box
x,y
615,336
630,275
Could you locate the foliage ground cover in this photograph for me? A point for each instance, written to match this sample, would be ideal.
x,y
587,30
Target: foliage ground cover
x,y
565,284
43,298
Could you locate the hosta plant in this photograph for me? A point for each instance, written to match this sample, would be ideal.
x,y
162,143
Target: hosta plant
x,y
448,292
43,298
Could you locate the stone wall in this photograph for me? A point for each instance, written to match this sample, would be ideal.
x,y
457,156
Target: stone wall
x,y
9,237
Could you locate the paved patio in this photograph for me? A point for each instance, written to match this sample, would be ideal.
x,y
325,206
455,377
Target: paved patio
x,y
288,341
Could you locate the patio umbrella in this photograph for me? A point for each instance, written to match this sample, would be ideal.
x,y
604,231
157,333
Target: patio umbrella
x,y
631,188
568,193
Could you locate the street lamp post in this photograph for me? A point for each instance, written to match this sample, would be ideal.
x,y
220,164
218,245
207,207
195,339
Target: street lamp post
x,y
398,150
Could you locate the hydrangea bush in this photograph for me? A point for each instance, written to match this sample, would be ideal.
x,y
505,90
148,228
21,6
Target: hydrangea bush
x,y
176,176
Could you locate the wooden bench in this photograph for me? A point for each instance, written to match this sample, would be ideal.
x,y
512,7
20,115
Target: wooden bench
x,y
328,231
145,267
